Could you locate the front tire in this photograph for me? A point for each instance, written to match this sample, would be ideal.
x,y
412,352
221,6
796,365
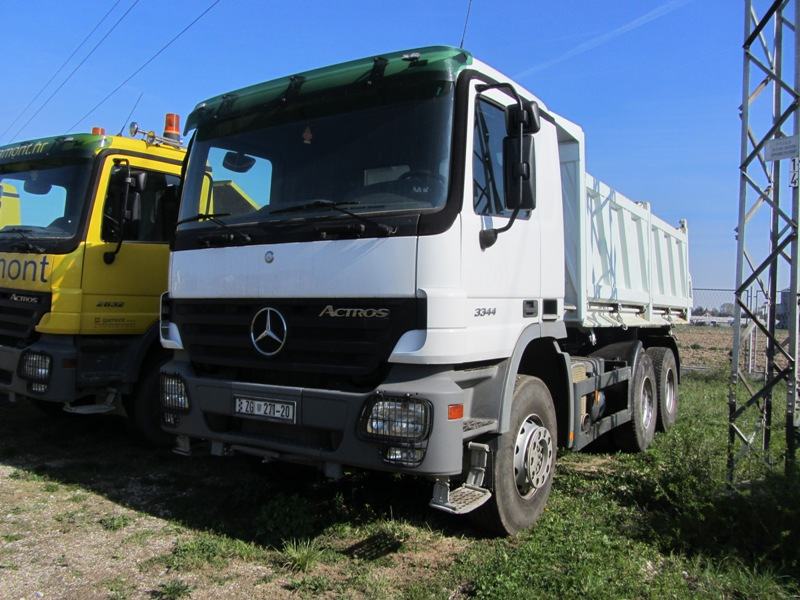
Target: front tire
x,y
145,409
637,434
524,461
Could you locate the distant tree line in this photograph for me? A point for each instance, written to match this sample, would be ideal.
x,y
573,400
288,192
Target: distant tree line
x,y
725,310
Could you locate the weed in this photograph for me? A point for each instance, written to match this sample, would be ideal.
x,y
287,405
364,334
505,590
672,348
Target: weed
x,y
11,537
115,522
172,590
50,487
78,498
118,589
23,475
301,555
313,584
209,549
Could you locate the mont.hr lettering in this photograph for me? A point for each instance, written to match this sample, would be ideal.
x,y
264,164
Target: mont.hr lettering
x,y
26,269
23,149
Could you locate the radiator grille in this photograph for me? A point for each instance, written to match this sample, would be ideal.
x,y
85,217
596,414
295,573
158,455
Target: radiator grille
x,y
217,336
20,312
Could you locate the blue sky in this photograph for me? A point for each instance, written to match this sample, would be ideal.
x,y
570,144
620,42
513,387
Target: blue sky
x,y
654,83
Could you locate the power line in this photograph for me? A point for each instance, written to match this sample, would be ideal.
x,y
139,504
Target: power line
x,y
59,69
466,22
147,62
78,66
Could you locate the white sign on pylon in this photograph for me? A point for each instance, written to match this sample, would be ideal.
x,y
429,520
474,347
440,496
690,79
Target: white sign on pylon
x,y
782,148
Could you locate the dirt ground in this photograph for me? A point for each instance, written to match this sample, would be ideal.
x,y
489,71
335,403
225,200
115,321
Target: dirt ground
x,y
709,348
86,512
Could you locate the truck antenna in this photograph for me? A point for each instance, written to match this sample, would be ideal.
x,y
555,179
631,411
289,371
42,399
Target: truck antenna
x,y
130,114
466,22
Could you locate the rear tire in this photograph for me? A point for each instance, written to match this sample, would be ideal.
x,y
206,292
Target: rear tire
x,y
144,415
637,434
524,461
666,370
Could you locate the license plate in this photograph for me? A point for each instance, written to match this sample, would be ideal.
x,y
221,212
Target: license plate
x,y
274,410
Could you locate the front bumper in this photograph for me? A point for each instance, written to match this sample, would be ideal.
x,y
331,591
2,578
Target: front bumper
x,y
327,425
61,386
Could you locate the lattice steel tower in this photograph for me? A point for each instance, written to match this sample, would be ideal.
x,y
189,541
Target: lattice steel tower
x,y
767,240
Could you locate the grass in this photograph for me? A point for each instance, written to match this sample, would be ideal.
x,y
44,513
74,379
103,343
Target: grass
x,y
115,522
658,524
209,549
301,555
172,590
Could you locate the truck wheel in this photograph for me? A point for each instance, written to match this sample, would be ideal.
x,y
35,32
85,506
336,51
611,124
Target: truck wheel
x,y
144,415
666,371
524,461
636,434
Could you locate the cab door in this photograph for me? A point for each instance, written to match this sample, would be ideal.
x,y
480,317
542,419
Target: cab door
x,y
121,294
502,282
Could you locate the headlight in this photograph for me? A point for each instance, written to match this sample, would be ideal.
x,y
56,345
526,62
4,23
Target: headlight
x,y
173,394
397,419
35,366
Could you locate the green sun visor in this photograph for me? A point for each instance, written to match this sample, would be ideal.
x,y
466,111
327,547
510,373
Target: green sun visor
x,y
79,145
441,62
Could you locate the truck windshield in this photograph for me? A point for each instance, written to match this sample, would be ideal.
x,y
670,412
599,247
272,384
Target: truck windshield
x,y
377,151
42,200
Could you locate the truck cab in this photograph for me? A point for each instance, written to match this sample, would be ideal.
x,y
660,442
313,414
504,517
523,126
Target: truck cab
x,y
85,225
428,282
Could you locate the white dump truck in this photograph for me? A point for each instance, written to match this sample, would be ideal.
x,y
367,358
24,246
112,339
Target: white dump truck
x,y
426,281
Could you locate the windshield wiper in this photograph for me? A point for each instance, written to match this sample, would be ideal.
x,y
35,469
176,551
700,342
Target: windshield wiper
x,y
383,228
215,218
27,242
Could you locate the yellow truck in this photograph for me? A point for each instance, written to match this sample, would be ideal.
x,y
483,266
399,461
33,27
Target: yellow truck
x,y
85,226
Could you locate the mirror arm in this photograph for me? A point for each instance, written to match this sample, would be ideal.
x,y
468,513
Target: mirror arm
x,y
487,237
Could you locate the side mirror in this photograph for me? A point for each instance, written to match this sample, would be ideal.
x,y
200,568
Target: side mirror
x,y
518,172
238,162
527,116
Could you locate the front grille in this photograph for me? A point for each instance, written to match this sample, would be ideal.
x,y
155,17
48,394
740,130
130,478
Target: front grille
x,y
20,312
319,350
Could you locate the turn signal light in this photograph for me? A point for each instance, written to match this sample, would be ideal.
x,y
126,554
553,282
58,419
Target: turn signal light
x,y
455,412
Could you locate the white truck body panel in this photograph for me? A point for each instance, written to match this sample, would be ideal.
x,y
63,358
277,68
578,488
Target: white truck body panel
x,y
624,265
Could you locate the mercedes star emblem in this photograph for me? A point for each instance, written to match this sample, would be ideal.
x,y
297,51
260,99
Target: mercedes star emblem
x,y
268,331
269,257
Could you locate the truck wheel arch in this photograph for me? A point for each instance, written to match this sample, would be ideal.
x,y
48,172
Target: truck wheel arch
x,y
147,351
538,354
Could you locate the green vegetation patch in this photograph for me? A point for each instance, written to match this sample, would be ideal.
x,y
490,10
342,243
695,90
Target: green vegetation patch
x,y
212,549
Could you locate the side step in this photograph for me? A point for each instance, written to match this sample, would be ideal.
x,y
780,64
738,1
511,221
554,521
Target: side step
x,y
469,496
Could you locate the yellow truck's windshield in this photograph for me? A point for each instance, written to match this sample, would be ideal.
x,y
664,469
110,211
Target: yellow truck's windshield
x,y
43,200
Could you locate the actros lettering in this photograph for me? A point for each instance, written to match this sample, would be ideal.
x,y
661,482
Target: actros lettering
x,y
364,313
26,270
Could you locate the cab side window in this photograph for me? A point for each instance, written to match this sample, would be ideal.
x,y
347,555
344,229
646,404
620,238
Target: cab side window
x,y
487,159
151,213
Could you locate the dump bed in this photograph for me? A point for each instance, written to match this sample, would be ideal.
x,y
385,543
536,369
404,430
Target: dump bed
x,y
624,265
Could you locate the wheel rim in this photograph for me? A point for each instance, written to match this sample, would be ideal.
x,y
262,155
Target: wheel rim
x,y
533,456
648,402
670,392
